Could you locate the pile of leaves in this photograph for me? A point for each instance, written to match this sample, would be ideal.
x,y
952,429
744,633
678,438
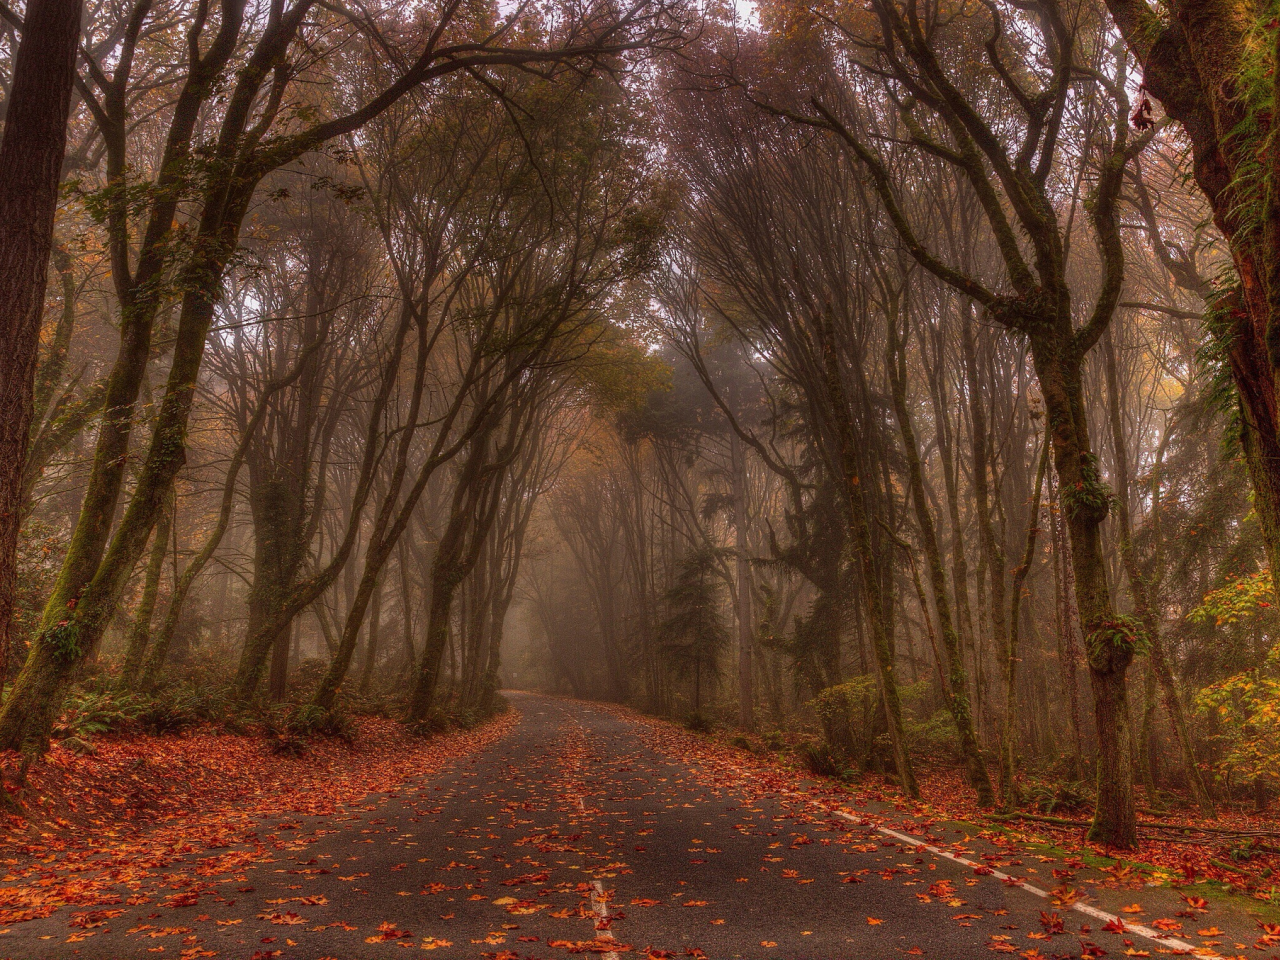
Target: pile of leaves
x,y
208,776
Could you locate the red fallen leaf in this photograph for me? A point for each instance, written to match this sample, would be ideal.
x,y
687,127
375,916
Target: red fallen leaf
x,y
527,939
1164,923
1114,926
1091,950
652,953
643,902
1196,903
1051,922
852,879
264,954
93,918
387,931
23,914
287,918
983,870
590,946
186,899
695,952
527,878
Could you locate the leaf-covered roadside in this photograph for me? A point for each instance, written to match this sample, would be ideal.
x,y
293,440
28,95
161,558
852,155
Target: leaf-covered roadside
x,y
1174,871
100,826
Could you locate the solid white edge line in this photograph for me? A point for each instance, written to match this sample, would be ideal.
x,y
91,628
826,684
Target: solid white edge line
x,y
1187,949
1135,928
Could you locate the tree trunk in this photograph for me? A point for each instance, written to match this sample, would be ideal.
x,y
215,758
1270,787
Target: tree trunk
x,y
98,563
446,576
957,690
865,560
140,633
1109,643
1064,609
746,631
1008,734
1140,590
31,155
992,555
371,645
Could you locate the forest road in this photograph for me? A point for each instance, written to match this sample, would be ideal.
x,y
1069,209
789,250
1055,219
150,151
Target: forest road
x,y
575,834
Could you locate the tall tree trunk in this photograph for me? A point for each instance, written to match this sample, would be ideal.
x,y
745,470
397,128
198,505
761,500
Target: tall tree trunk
x,y
31,154
1140,590
445,579
992,561
957,690
98,562
1008,734
864,558
371,644
1109,643
1065,615
140,632
746,630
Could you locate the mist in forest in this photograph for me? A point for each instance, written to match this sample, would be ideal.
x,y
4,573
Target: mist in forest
x,y
892,383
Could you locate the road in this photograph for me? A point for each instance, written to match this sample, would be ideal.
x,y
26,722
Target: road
x,y
578,833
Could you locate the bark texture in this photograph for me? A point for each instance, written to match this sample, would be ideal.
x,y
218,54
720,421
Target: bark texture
x,y
31,154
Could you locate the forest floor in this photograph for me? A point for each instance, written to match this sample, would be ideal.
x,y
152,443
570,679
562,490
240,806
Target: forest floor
x,y
561,828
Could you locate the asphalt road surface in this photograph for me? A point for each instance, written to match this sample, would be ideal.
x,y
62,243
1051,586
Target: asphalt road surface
x,y
574,835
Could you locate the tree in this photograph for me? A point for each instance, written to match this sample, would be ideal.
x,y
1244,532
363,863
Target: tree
x,y
1212,67
32,149
693,634
259,130
931,102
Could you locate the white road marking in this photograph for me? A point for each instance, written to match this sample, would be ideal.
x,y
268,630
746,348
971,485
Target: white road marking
x,y
1137,929
1181,947
599,902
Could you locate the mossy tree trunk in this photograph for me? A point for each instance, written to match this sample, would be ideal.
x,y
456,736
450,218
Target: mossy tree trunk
x,y
140,632
32,149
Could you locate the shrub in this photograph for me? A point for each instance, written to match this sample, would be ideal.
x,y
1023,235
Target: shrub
x,y
89,712
1243,713
311,720
699,722
821,761
845,712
